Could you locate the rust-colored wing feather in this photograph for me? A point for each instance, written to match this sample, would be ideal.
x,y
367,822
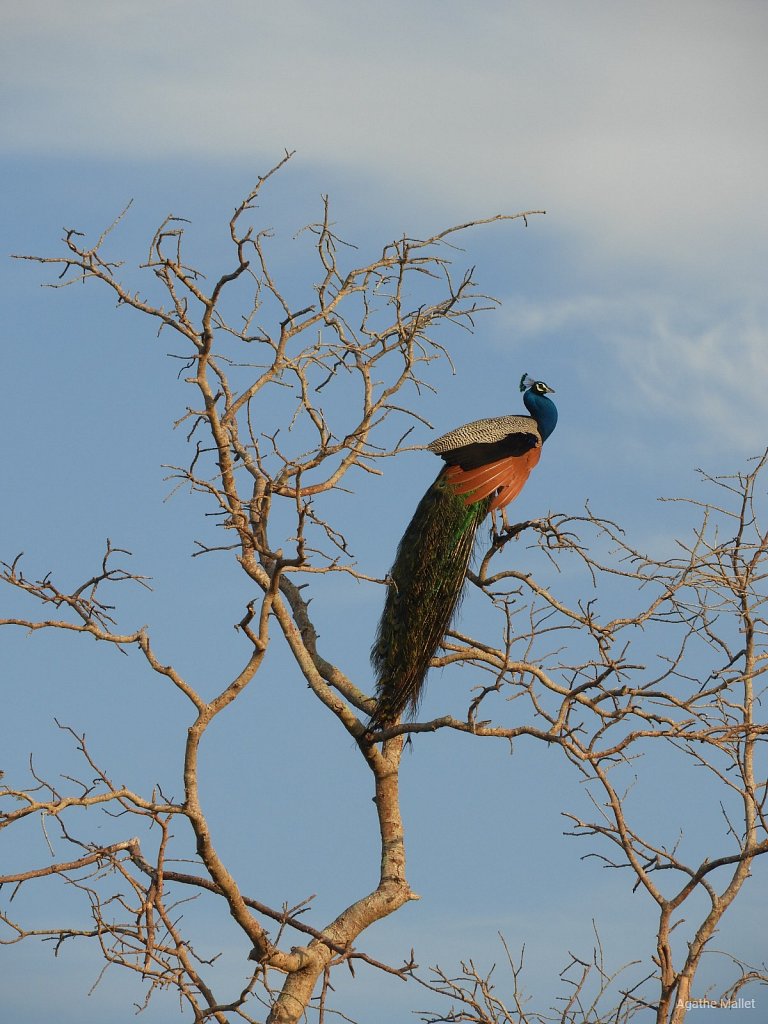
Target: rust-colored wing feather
x,y
507,476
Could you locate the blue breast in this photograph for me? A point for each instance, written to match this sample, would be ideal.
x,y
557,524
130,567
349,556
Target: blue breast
x,y
543,410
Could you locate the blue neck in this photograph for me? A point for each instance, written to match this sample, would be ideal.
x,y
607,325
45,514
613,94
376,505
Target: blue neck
x,y
543,410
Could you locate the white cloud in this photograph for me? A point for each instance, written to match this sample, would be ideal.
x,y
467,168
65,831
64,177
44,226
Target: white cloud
x,y
640,127
681,363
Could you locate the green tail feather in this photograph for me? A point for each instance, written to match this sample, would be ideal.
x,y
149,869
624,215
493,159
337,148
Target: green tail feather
x,y
427,580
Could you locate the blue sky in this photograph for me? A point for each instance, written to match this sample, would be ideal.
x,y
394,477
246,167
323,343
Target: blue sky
x,y
640,296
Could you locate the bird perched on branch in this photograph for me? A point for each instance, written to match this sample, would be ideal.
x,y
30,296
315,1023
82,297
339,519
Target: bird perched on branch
x,y
487,465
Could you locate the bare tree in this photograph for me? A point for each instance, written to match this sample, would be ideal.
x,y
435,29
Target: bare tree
x,y
290,398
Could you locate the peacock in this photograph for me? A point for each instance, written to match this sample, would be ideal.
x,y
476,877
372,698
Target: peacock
x,y
487,465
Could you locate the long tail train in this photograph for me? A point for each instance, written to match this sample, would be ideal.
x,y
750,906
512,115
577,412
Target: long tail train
x,y
427,580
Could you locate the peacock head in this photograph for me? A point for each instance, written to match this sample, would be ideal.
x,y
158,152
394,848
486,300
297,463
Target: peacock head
x,y
543,409
538,387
